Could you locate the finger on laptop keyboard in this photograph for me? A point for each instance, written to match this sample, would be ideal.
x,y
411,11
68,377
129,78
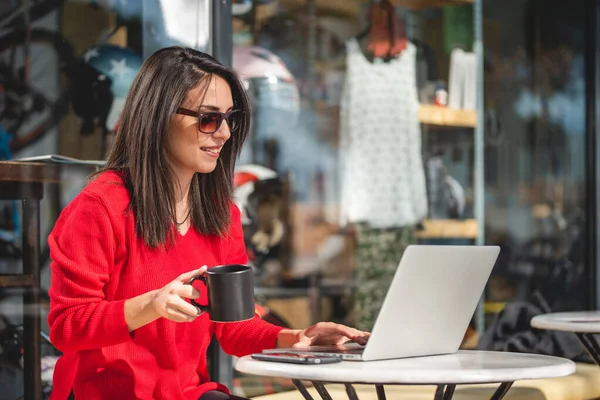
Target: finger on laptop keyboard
x,y
305,342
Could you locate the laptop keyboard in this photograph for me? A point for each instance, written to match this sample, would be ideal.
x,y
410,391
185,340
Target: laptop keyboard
x,y
341,349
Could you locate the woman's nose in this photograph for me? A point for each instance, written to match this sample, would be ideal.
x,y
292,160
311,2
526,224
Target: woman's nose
x,y
223,131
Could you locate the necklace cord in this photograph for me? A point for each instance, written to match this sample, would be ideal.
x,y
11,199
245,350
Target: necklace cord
x,y
185,219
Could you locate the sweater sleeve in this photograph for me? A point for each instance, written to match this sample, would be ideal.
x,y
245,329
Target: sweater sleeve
x,y
246,337
242,338
82,249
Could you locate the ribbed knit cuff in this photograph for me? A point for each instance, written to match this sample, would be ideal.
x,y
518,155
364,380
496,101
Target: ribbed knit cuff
x,y
117,328
270,338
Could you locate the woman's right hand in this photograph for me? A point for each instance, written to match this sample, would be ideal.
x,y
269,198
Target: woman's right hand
x,y
169,301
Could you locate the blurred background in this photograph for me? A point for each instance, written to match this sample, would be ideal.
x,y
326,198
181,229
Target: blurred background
x,y
483,133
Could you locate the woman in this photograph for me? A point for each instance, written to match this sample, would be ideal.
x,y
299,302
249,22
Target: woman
x,y
126,247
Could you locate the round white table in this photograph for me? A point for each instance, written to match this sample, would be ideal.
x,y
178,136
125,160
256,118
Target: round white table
x,y
584,324
444,371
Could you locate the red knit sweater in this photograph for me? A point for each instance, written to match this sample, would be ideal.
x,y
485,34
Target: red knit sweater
x,y
97,263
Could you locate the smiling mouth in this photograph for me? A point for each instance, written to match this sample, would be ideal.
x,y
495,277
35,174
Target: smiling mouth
x,y
213,151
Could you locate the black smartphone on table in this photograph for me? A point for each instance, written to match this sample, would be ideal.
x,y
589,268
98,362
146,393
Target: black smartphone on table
x,y
297,358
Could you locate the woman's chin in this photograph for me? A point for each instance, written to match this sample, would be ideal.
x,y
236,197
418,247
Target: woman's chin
x,y
206,167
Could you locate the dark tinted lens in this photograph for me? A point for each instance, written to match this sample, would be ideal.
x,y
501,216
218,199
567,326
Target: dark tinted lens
x,y
235,120
209,122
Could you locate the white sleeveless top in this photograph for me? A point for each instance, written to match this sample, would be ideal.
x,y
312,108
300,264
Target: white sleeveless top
x,y
383,179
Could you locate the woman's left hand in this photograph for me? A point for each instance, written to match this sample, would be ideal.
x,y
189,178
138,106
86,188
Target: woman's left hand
x,y
330,333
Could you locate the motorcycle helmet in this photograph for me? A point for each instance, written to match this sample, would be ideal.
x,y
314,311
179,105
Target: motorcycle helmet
x,y
274,96
245,178
101,81
268,77
241,7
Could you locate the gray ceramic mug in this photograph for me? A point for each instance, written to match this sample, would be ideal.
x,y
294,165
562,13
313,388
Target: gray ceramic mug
x,y
230,293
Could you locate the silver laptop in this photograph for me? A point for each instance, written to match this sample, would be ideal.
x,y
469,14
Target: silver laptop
x,y
428,306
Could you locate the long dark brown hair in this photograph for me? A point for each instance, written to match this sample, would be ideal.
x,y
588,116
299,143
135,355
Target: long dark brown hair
x,y
139,156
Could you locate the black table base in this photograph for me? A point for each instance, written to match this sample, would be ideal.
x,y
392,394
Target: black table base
x,y
443,392
591,345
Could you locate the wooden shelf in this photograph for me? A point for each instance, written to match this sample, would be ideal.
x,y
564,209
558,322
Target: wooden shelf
x,y
353,7
15,280
423,4
349,8
448,229
323,106
494,307
428,114
434,115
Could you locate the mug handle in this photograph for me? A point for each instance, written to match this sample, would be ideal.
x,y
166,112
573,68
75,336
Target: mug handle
x,y
202,308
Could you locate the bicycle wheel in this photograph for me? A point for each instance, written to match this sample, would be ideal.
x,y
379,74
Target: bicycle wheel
x,y
14,19
20,101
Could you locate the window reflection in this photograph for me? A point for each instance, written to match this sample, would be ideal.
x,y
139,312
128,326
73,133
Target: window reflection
x,y
63,83
535,135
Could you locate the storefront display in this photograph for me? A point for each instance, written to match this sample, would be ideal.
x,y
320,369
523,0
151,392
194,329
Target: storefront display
x,y
369,77
382,175
375,124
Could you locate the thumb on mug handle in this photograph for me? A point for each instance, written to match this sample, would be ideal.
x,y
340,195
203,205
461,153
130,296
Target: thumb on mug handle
x,y
201,307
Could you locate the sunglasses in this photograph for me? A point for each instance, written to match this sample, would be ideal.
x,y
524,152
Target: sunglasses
x,y
210,121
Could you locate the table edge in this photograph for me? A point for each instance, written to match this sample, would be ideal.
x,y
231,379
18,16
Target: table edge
x,y
558,371
545,322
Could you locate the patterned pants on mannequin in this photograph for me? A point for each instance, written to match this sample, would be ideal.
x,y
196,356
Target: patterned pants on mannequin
x,y
378,252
